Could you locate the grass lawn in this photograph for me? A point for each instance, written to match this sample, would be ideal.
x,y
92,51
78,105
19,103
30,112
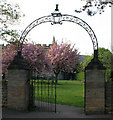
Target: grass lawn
x,y
68,93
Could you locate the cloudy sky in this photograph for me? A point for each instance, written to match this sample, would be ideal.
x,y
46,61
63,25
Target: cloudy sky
x,y
68,32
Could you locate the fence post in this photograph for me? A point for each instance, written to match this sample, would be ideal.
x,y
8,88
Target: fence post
x,y
18,85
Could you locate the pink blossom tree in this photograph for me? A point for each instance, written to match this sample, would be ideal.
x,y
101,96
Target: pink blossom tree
x,y
63,57
32,54
35,57
8,54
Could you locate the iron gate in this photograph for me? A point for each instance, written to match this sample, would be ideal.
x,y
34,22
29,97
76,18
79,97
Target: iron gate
x,y
42,93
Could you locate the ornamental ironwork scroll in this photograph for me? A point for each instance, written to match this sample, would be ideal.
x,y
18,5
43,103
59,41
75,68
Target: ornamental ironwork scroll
x,y
31,26
65,17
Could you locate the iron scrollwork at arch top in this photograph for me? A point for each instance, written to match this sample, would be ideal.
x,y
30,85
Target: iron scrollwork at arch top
x,y
64,17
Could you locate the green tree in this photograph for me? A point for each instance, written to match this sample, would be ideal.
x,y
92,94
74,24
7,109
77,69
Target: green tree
x,y
105,57
9,14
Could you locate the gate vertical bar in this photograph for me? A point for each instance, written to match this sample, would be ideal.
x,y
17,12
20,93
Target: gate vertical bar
x,y
48,95
55,96
41,93
38,95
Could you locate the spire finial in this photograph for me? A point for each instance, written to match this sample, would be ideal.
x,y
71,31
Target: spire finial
x,y
56,8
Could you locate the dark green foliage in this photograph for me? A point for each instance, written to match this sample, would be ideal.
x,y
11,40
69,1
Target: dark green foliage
x,y
80,76
105,57
108,75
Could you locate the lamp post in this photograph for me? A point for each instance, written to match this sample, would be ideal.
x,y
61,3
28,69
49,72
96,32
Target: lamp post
x,y
56,16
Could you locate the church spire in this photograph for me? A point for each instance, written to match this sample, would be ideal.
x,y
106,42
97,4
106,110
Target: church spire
x,y
53,40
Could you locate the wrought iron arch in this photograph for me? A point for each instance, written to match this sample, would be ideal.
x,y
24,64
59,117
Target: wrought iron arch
x,y
64,17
